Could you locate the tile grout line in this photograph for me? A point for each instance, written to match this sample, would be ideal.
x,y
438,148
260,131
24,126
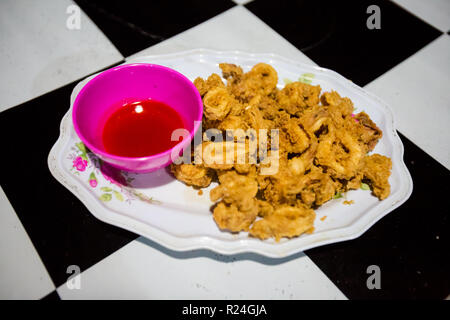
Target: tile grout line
x,y
28,239
67,84
417,16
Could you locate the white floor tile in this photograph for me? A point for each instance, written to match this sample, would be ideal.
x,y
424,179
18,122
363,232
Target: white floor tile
x,y
418,92
145,270
435,12
235,29
38,53
22,274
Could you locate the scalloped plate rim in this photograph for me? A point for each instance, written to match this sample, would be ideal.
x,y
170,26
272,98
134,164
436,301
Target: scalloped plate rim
x,y
228,247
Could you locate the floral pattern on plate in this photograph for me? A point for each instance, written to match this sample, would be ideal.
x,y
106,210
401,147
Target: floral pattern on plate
x,y
114,184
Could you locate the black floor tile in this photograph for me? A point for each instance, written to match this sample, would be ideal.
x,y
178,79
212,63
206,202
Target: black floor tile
x,y
60,227
334,33
134,25
410,244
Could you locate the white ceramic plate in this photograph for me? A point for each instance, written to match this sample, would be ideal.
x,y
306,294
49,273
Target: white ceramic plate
x,y
158,207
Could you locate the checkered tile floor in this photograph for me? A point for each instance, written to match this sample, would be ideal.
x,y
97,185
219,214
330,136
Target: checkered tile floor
x,y
44,228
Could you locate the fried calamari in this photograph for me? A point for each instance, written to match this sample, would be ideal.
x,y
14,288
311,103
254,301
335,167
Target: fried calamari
x,y
320,149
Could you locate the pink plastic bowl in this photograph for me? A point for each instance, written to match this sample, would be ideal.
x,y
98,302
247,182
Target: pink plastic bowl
x,y
105,93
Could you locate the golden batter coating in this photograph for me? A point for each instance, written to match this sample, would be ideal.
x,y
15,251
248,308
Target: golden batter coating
x,y
217,104
192,175
319,149
286,221
235,188
231,217
295,97
377,169
262,79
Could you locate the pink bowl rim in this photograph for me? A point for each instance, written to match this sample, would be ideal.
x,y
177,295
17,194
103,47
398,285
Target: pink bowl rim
x,y
105,73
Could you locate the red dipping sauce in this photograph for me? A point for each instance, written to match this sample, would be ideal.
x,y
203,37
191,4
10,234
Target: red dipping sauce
x,y
140,129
